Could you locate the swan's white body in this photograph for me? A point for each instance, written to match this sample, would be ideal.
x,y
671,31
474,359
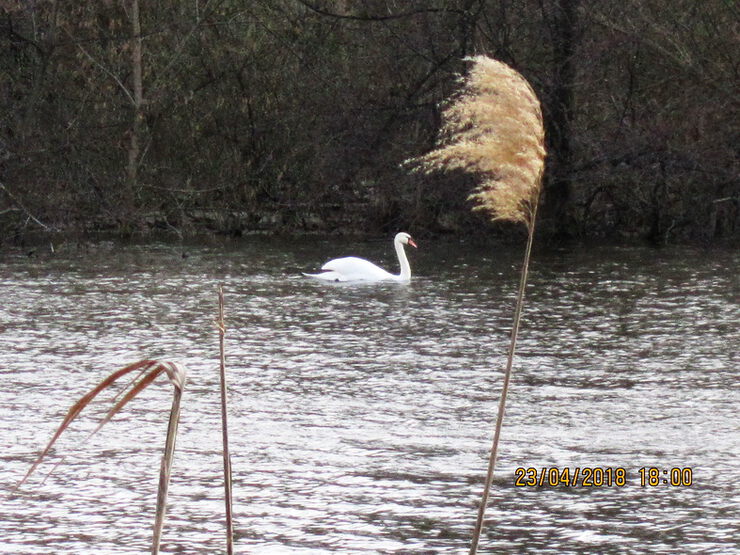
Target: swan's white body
x,y
351,268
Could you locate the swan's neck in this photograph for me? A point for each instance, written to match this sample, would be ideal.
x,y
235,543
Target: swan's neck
x,y
405,274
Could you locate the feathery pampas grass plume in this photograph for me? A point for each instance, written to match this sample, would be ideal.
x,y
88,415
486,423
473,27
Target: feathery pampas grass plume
x,y
492,127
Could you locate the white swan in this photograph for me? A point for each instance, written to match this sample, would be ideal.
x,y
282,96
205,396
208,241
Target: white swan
x,y
351,268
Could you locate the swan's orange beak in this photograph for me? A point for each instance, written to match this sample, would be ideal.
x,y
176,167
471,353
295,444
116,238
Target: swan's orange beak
x,y
411,242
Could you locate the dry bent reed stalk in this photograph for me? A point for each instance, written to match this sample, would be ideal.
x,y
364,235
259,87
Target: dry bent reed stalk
x,y
147,372
492,128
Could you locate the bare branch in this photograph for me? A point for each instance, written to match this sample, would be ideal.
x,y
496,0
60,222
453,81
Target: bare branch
x,y
20,206
402,15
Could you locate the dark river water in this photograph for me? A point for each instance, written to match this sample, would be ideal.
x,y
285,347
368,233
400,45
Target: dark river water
x,y
361,416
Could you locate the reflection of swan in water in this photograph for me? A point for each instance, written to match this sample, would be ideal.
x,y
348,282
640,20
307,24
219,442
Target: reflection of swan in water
x,y
352,268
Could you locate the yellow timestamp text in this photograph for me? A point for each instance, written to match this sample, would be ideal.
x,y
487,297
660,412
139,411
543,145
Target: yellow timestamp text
x,y
598,477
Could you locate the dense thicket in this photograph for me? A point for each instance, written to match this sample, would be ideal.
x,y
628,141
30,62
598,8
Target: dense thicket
x,y
297,114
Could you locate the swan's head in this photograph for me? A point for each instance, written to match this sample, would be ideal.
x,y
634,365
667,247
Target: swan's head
x,y
405,239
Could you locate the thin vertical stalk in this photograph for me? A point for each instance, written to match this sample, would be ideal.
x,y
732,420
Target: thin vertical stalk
x,y
134,149
225,428
505,389
166,470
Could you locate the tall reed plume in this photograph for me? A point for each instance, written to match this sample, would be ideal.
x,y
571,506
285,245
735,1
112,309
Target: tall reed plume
x,y
148,371
492,128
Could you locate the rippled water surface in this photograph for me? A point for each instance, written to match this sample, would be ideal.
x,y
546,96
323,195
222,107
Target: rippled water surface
x,y
361,416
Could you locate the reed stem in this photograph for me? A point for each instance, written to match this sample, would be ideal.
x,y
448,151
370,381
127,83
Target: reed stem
x,y
505,389
225,428
166,469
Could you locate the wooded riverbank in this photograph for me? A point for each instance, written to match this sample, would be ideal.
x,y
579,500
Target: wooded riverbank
x,y
296,116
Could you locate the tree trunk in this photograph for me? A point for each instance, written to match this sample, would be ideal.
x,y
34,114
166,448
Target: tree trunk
x,y
564,37
134,150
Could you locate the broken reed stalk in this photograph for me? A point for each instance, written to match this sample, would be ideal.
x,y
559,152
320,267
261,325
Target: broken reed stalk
x,y
149,371
225,428
492,127
166,468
